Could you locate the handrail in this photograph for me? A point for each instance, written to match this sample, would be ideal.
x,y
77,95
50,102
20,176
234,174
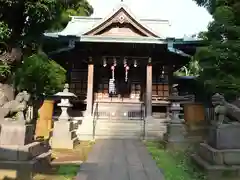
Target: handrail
x,y
143,119
95,117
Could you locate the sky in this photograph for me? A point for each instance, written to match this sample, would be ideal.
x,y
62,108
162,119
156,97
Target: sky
x,y
185,16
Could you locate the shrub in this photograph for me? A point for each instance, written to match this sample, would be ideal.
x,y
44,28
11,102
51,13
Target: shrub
x,y
40,76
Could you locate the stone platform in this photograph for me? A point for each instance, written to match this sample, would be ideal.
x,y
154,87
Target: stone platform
x,y
23,169
220,155
64,135
217,172
19,154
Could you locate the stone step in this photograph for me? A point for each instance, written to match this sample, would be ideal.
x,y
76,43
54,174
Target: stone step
x,y
116,137
120,120
160,120
130,129
119,132
116,122
114,125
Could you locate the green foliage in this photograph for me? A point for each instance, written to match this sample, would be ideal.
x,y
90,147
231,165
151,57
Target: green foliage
x,y
191,69
71,8
4,31
220,60
28,19
68,171
5,70
175,165
39,76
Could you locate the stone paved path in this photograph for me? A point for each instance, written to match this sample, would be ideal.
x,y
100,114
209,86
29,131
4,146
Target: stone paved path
x,y
119,160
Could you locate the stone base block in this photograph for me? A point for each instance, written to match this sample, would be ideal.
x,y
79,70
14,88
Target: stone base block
x,y
219,157
225,136
62,128
64,135
176,132
23,170
175,136
16,133
22,153
219,172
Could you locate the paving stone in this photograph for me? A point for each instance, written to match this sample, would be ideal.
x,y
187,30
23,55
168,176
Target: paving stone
x,y
119,160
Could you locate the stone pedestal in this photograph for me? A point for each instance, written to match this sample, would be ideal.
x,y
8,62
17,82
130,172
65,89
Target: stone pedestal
x,y
221,152
16,133
64,135
175,137
17,149
225,136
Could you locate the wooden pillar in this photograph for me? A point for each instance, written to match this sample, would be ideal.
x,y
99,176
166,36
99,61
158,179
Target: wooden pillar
x,y
90,89
170,79
149,91
170,83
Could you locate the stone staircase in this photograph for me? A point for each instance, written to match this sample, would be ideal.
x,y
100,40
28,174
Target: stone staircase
x,y
119,129
130,129
121,121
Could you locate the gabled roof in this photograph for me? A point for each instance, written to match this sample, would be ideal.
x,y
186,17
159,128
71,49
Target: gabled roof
x,y
81,26
121,15
147,31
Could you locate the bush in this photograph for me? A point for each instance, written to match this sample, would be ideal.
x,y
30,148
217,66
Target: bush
x,y
40,76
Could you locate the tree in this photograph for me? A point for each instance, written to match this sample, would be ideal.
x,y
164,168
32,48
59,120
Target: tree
x,y
220,60
40,76
28,19
72,8
22,23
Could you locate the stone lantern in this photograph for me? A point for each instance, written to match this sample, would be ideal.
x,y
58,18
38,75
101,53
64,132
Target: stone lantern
x,y
176,131
64,131
65,103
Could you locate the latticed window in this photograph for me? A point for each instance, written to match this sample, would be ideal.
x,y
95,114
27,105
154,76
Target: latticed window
x,y
160,87
78,84
160,90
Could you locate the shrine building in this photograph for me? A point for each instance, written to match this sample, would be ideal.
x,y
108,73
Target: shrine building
x,y
120,66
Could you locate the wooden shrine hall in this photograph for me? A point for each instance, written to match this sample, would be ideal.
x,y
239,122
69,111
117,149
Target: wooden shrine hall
x,y
120,66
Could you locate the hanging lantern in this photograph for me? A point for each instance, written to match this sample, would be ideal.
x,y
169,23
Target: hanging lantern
x,y
113,73
114,62
126,73
104,62
125,62
135,63
163,73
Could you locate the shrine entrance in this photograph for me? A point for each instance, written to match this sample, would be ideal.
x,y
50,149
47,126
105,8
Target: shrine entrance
x,y
120,81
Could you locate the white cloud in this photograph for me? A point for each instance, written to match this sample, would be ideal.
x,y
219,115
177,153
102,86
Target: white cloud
x,y
185,16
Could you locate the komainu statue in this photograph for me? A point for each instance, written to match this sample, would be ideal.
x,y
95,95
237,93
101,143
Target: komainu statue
x,y
224,112
15,109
